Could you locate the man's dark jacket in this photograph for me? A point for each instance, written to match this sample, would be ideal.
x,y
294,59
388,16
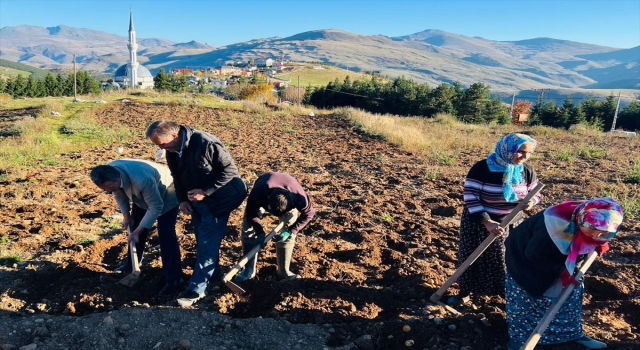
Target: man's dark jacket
x,y
206,164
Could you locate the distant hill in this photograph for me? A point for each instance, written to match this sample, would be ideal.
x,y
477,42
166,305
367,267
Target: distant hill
x,y
192,45
431,56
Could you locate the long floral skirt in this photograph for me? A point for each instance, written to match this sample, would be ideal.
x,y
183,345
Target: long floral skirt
x,y
487,274
524,312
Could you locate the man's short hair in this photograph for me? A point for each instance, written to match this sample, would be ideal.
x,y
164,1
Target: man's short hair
x,y
162,128
280,201
104,173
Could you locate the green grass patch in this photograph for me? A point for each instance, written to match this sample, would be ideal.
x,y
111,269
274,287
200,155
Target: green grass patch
x,y
88,239
38,140
10,259
627,196
633,174
386,217
440,157
431,174
592,152
309,75
565,155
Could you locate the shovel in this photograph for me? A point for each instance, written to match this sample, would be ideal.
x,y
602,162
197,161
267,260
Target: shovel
x,y
132,278
553,309
435,297
240,265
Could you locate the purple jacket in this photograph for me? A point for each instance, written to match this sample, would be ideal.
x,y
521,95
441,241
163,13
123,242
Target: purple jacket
x,y
259,197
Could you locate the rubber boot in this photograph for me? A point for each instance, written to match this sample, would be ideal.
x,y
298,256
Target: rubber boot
x,y
284,251
249,270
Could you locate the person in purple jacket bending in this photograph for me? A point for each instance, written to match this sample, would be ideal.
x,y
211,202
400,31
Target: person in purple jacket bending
x,y
282,195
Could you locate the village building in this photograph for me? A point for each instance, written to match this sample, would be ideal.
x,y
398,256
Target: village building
x,y
264,62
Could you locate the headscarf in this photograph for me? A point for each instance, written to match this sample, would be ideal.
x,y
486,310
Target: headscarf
x,y
500,161
563,222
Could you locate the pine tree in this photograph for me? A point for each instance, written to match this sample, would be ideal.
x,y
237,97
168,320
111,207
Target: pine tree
x,y
564,114
19,86
60,85
607,110
161,81
472,103
39,90
30,90
577,116
629,117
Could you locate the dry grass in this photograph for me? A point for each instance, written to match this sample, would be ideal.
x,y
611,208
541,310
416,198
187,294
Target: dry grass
x,y
599,165
439,140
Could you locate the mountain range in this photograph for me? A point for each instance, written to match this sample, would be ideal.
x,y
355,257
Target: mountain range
x,y
431,56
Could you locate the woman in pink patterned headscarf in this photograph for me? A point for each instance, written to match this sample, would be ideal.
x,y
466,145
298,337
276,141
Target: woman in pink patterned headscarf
x,y
541,258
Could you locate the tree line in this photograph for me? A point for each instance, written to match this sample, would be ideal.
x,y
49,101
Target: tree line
x,y
50,85
474,104
400,96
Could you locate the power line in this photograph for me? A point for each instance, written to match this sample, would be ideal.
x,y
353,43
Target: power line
x,y
347,93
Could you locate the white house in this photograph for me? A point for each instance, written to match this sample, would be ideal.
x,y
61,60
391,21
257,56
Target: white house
x,y
264,62
218,83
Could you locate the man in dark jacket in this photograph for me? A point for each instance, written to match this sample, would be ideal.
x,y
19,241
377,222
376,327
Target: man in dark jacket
x,y
281,195
208,188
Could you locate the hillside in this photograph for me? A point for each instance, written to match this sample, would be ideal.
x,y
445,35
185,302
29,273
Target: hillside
x,y
431,56
11,69
383,241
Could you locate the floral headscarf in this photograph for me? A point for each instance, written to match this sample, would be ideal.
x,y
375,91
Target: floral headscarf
x,y
500,161
563,222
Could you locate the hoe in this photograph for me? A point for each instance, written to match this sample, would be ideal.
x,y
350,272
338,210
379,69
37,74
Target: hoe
x,y
132,278
481,248
227,278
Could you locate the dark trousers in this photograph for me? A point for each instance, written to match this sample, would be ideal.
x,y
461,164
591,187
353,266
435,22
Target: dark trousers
x,y
169,246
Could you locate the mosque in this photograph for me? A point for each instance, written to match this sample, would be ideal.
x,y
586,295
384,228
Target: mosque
x,y
133,74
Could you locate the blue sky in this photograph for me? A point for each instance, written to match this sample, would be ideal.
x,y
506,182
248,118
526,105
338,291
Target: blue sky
x,y
613,23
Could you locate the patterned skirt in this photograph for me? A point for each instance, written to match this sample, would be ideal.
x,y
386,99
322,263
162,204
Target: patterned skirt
x,y
524,312
487,274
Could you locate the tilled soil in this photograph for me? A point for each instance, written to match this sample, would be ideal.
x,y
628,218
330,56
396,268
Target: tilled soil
x,y
383,241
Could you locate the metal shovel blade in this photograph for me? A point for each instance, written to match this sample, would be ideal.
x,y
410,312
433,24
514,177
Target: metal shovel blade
x,y
234,287
240,265
131,279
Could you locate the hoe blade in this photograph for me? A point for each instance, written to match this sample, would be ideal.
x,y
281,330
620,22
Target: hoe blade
x,y
234,287
132,278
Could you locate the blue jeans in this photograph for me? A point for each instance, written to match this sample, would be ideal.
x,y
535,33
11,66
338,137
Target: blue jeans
x,y
169,246
210,231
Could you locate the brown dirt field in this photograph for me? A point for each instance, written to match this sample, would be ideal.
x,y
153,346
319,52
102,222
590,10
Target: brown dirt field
x,y
384,239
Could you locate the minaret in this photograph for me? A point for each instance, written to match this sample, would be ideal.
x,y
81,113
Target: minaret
x,y
133,56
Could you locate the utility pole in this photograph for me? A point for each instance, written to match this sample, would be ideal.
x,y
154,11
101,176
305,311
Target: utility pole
x,y
615,115
75,95
299,90
541,96
513,100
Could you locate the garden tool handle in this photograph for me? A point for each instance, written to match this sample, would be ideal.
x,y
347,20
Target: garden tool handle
x,y
234,271
134,253
551,312
486,243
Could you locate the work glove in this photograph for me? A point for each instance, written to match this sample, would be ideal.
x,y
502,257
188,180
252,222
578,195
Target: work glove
x,y
283,236
567,278
261,239
603,248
